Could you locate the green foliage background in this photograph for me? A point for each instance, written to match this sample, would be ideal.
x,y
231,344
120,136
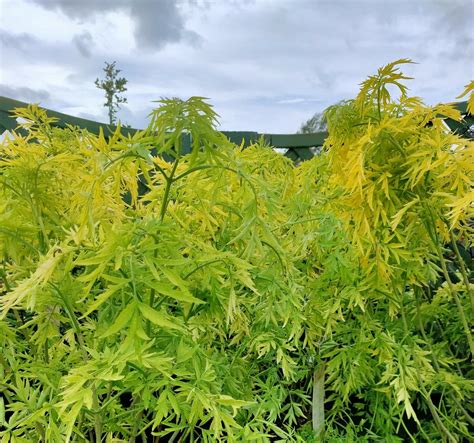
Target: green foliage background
x,y
236,296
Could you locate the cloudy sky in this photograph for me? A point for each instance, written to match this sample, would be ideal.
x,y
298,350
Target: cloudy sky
x,y
266,65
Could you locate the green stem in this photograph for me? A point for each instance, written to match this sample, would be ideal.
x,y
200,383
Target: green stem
x,y
379,85
433,355
317,404
42,235
164,204
97,417
75,324
202,265
173,436
433,234
402,306
46,351
162,171
404,318
449,345
80,338
135,431
435,415
454,294
152,299
169,182
462,267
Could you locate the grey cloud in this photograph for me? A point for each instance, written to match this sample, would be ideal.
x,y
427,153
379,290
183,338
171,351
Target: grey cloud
x,y
192,39
20,41
84,43
454,15
458,20
157,22
81,9
31,53
24,94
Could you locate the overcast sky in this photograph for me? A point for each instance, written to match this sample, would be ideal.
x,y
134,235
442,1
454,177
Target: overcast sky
x,y
266,65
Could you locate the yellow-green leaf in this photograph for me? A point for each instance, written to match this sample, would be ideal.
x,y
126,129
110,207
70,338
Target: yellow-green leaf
x,y
158,318
121,321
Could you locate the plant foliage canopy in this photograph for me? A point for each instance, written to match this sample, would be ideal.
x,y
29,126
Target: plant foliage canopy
x,y
230,295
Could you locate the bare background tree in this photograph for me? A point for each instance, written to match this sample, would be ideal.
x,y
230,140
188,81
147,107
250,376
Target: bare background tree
x,y
113,86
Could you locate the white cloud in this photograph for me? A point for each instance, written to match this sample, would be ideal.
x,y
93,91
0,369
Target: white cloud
x,y
267,65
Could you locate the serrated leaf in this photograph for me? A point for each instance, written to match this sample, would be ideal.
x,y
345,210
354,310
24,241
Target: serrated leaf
x,y
396,219
103,297
121,321
177,294
158,318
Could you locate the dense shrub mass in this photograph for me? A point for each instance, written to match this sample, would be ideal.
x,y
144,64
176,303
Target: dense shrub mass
x,y
229,295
